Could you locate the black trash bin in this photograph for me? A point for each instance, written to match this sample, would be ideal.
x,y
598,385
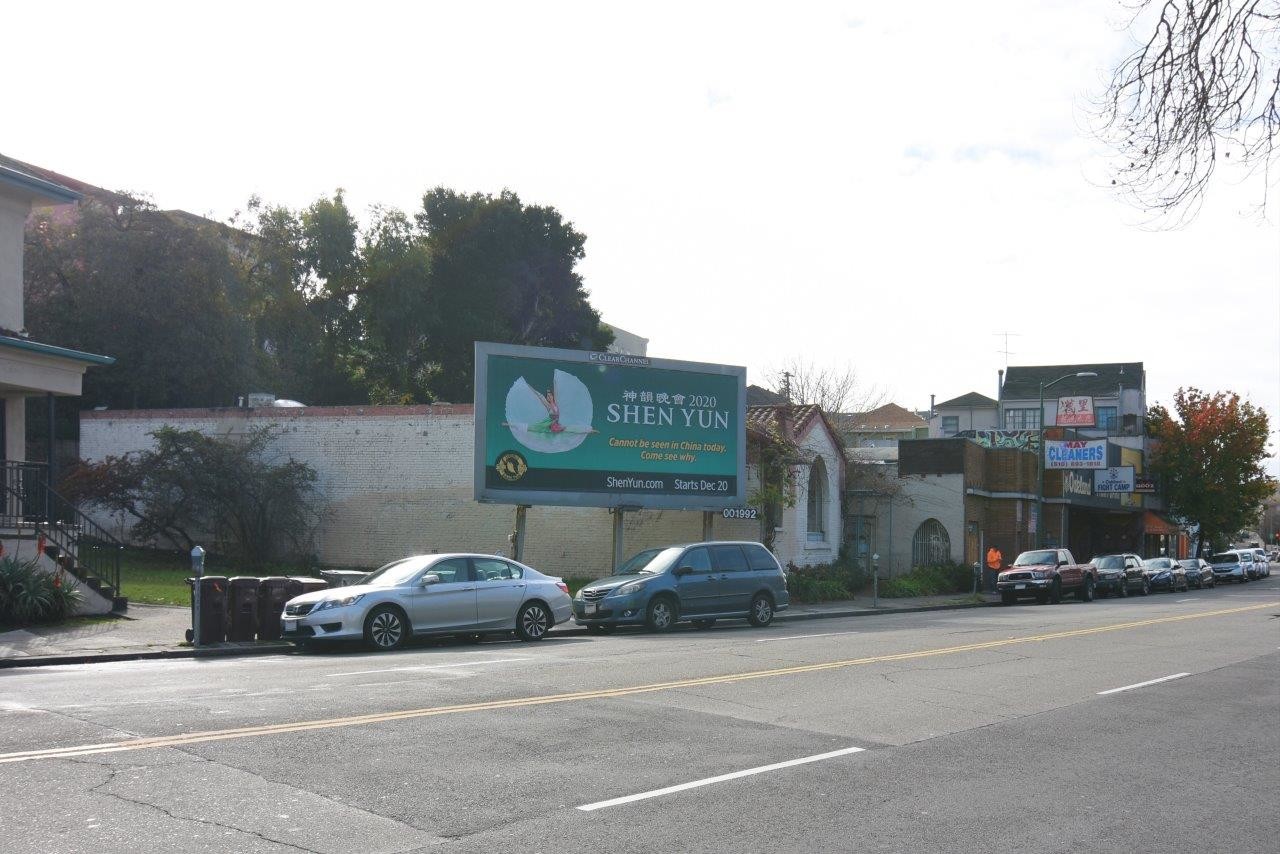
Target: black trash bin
x,y
243,607
309,584
213,608
273,592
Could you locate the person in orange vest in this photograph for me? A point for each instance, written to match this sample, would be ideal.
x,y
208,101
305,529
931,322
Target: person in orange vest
x,y
995,560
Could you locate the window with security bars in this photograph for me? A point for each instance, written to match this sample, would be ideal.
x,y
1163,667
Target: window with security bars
x,y
931,545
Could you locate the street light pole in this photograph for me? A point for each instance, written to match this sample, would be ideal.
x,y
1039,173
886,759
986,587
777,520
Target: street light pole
x,y
1040,454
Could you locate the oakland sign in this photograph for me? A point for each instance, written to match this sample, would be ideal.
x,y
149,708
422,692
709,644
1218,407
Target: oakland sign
x,y
577,428
1076,454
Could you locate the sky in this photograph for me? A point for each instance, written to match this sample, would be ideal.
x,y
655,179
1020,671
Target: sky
x,y
884,186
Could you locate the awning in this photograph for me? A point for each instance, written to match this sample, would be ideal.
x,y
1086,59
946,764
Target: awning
x,y
1154,523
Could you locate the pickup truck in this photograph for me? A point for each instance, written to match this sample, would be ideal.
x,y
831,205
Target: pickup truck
x,y
1045,574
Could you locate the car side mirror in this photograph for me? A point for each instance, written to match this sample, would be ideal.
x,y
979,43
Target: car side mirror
x,y
429,579
684,570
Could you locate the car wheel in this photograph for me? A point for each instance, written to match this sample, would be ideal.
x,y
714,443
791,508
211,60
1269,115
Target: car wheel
x,y
1055,592
533,622
469,637
385,628
1146,587
661,614
1086,593
703,624
761,613
1007,598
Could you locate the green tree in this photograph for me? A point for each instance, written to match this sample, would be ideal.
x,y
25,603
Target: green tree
x,y
501,271
191,485
1208,454
157,291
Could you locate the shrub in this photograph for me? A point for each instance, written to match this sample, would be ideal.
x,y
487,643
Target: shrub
x,y
929,581
825,582
29,595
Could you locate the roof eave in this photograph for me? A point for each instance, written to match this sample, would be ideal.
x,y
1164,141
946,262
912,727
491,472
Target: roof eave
x,y
55,351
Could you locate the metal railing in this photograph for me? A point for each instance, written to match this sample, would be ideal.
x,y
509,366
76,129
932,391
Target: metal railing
x,y
27,502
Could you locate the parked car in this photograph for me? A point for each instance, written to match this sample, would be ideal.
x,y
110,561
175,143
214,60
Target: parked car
x,y
1165,573
1045,574
1263,562
1199,573
462,594
698,582
1120,575
1251,568
1229,566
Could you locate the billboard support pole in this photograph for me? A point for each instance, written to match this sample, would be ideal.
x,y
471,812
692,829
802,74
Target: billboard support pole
x,y
517,540
706,525
618,545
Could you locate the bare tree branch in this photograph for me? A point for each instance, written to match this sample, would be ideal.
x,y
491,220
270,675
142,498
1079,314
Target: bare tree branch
x,y
1203,87
834,389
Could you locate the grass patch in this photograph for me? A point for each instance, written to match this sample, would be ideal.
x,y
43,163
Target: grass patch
x,y
152,577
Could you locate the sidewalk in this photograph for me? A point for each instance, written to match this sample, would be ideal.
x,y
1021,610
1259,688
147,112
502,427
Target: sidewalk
x,y
158,631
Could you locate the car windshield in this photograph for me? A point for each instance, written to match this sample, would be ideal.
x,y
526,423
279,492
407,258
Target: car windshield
x,y
1225,558
1036,558
1189,564
658,562
1158,563
397,572
1110,562
636,564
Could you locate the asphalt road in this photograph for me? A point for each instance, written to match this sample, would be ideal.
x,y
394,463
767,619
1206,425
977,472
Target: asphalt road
x,y
979,730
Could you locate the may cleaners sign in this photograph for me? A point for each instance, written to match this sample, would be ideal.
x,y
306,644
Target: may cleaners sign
x,y
1076,454
576,428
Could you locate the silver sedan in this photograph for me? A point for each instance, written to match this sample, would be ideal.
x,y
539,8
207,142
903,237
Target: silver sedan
x,y
462,594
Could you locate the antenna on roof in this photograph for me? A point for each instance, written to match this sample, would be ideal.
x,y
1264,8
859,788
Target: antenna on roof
x,y
1007,352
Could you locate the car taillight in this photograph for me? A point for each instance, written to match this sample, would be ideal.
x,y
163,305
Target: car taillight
x,y
563,587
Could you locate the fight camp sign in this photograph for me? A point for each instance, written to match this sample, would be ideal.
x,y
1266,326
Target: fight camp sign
x,y
583,429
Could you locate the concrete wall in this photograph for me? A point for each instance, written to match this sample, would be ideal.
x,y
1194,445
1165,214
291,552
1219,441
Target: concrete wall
x,y
969,419
918,498
397,480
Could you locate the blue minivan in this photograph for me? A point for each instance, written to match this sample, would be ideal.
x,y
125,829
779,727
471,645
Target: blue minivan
x,y
698,582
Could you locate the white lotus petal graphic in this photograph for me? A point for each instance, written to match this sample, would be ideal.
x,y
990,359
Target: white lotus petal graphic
x,y
554,423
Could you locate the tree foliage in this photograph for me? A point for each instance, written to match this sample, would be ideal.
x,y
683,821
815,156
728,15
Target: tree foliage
x,y
158,293
304,303
190,486
1203,86
1208,454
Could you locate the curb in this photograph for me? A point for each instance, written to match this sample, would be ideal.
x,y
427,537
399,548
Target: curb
x,y
273,647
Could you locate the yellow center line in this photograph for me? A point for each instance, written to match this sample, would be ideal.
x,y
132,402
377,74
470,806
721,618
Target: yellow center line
x,y
601,694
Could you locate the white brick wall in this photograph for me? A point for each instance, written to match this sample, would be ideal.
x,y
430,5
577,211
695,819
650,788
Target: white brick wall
x,y
397,480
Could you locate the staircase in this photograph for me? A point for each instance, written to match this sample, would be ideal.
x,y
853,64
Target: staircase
x,y
29,507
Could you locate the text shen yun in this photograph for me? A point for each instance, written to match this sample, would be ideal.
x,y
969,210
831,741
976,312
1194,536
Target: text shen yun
x,y
666,416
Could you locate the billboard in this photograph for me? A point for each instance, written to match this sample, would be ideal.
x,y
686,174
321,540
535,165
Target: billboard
x,y
1075,454
583,429
1144,485
1075,412
1114,479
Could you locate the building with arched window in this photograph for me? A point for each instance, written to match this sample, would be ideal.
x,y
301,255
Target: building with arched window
x,y
931,545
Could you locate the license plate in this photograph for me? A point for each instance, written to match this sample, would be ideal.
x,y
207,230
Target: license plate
x,y
589,608
287,626
1019,587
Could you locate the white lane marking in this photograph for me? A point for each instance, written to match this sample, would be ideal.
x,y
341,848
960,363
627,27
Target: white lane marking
x,y
627,799
428,666
798,637
1143,684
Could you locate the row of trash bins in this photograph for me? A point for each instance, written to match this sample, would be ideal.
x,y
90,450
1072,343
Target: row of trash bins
x,y
246,608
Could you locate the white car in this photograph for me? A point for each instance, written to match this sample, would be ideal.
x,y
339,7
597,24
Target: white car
x,y
462,594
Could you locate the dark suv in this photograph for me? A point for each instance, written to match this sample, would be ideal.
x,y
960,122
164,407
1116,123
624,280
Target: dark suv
x,y
699,582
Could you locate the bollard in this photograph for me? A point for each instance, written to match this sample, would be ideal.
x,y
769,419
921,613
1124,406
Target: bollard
x,y
875,581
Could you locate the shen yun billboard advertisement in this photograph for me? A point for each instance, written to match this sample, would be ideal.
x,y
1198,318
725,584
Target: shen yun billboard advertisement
x,y
577,428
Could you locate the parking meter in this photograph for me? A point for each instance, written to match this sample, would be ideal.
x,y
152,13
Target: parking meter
x,y
197,570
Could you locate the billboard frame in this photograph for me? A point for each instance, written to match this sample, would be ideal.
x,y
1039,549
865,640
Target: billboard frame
x,y
612,500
